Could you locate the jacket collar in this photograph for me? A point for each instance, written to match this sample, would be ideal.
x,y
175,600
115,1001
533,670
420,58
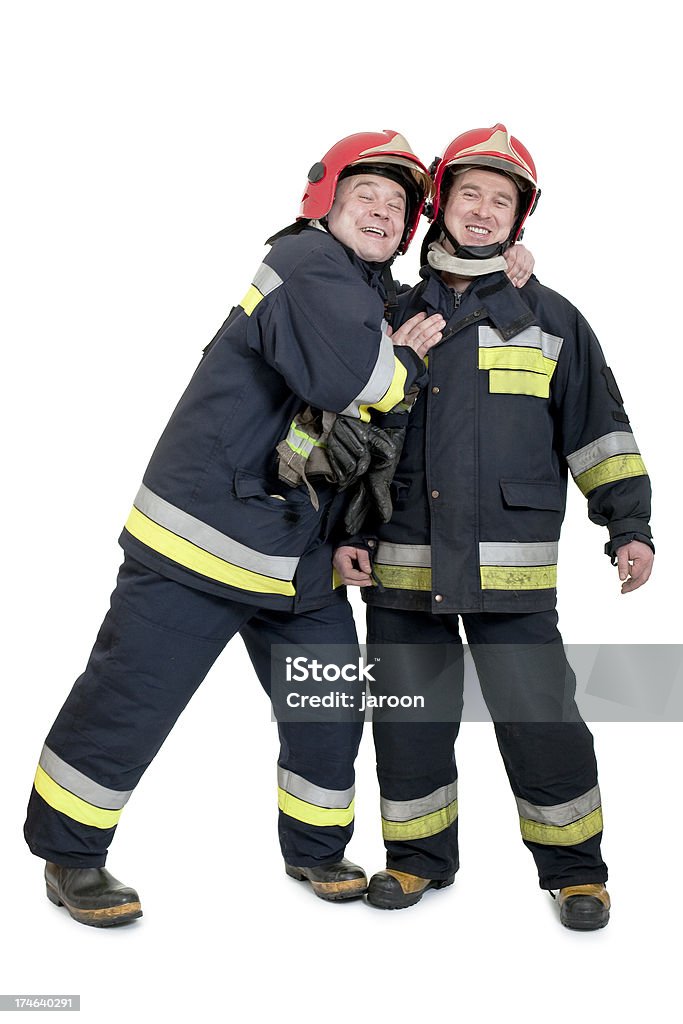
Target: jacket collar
x,y
493,294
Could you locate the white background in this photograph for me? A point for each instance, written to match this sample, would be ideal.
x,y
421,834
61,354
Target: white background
x,y
148,151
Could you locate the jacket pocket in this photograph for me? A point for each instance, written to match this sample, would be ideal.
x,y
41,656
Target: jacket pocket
x,y
546,495
524,365
275,496
272,522
519,382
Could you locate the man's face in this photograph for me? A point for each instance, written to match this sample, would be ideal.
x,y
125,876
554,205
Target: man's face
x,y
481,207
368,215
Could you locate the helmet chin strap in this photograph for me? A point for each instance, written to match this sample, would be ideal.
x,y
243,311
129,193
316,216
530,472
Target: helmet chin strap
x,y
465,260
484,260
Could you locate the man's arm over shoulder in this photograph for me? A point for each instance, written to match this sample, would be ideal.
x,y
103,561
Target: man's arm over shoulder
x,y
322,327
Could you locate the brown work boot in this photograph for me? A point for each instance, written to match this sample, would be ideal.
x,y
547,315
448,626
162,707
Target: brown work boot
x,y
584,907
91,895
394,890
333,882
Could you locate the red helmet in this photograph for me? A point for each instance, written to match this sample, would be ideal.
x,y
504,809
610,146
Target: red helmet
x,y
379,149
491,148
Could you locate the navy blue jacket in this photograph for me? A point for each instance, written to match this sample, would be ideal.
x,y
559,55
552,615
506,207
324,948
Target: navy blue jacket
x,y
211,512
519,395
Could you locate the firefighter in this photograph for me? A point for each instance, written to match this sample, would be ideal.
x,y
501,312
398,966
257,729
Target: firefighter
x,y
216,544
519,396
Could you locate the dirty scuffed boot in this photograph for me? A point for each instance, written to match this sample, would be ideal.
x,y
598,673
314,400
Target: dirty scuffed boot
x,y
394,890
333,882
584,907
92,895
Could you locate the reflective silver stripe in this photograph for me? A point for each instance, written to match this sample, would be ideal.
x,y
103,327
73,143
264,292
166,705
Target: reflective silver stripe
x,y
80,785
300,442
619,442
561,814
299,787
279,567
530,337
404,554
266,279
405,810
380,379
512,553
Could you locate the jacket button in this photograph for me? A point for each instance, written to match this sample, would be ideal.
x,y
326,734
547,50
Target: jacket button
x,y
435,494
372,543
438,598
436,390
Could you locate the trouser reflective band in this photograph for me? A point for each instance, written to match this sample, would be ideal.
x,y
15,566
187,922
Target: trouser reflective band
x,y
566,824
311,804
70,792
425,816
516,566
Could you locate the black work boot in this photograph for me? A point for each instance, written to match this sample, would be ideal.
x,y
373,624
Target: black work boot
x,y
395,890
584,907
91,895
334,882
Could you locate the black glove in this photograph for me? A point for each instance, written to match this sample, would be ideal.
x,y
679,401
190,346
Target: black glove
x,y
372,493
348,450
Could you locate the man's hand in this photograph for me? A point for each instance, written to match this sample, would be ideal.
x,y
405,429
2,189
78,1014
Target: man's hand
x,y
353,566
634,562
520,265
421,332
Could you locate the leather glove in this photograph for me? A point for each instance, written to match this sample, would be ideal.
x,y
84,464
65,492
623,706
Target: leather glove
x,y
372,494
348,450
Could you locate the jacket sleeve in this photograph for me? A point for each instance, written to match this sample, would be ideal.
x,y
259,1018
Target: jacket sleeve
x,y
322,328
597,440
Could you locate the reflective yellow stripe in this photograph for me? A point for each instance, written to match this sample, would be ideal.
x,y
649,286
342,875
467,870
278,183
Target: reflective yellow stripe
x,y
307,442
517,370
404,577
519,382
65,802
618,467
562,835
529,577
337,581
311,813
420,828
192,557
513,357
392,396
251,300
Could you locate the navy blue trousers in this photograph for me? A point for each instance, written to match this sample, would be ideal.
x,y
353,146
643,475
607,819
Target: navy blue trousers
x,y
156,645
547,749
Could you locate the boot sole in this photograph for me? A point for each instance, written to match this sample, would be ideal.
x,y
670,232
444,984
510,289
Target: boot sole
x,y
588,924
104,917
332,892
386,902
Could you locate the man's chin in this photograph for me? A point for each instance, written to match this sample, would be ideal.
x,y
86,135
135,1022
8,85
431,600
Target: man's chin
x,y
374,254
